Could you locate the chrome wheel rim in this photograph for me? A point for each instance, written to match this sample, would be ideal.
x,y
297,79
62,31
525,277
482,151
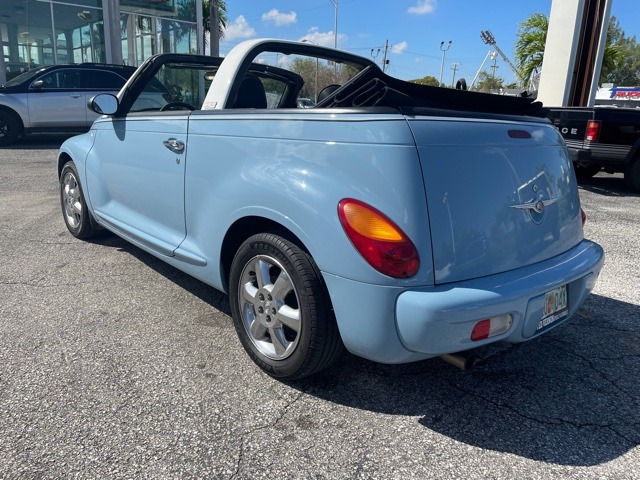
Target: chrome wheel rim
x,y
71,200
269,307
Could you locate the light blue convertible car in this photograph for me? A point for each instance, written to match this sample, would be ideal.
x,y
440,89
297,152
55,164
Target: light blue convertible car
x,y
397,220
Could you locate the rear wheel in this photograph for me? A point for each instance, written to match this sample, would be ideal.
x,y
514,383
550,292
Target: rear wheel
x,y
281,309
9,128
74,208
632,174
584,172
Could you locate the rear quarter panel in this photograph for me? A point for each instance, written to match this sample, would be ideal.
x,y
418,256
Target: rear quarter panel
x,y
294,168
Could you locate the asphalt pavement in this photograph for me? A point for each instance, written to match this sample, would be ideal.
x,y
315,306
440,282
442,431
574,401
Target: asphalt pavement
x,y
114,365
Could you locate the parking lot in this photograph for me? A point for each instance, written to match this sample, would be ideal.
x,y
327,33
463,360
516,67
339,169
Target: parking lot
x,y
115,365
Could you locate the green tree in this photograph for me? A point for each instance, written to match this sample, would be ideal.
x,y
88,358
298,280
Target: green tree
x,y
532,36
318,74
222,16
427,80
620,62
488,82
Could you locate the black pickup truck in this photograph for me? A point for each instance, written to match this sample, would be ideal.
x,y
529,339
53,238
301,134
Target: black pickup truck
x,y
601,138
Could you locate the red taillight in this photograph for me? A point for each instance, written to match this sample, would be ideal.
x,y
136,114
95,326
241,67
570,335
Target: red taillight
x,y
481,330
592,133
583,216
490,327
380,241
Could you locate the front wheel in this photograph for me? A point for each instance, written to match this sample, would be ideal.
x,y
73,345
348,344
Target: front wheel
x,y
281,309
74,208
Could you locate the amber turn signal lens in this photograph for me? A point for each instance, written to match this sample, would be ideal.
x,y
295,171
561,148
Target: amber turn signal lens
x,y
380,241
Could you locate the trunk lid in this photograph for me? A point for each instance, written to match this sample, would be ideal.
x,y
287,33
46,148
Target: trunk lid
x,y
500,194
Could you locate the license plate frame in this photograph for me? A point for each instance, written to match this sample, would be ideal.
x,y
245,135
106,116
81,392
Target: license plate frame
x,y
556,307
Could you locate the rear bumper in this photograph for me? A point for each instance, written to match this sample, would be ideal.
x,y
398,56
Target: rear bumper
x,y
432,321
599,154
580,155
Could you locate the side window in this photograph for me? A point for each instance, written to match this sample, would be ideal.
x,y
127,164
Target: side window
x,y
61,79
274,91
178,86
101,80
297,80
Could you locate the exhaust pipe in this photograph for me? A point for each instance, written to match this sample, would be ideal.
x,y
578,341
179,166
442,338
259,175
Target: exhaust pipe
x,y
463,360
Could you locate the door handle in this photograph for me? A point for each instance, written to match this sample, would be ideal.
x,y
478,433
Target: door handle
x,y
76,95
174,145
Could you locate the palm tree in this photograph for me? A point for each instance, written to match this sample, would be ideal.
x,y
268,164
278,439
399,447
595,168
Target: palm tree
x,y
614,51
222,17
532,36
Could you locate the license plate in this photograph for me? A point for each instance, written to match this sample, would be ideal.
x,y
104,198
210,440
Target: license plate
x,y
555,307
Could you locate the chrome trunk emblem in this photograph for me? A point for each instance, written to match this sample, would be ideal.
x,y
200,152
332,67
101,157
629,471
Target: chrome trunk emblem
x,y
536,204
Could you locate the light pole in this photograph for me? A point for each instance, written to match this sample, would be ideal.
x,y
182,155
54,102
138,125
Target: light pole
x,y
335,24
444,49
316,83
455,69
335,38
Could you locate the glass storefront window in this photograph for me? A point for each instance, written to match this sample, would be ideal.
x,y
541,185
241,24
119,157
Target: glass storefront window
x,y
79,34
144,36
26,35
29,40
45,32
175,9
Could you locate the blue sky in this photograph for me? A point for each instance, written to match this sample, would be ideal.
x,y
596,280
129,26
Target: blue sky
x,y
414,29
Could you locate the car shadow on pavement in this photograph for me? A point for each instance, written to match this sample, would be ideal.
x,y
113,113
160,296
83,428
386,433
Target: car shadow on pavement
x,y
204,292
570,397
40,142
607,185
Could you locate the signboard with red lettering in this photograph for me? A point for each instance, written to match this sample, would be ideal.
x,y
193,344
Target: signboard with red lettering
x,y
618,93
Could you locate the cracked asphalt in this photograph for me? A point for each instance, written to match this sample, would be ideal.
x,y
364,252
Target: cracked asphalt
x,y
114,365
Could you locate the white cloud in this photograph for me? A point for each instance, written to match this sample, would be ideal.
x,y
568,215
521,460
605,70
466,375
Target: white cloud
x,y
280,18
400,47
324,39
422,7
239,28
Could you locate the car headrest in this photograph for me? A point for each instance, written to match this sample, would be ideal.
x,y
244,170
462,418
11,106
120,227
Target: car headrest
x,y
251,93
326,92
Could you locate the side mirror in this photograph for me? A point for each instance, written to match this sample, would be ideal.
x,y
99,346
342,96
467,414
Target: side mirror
x,y
37,84
104,104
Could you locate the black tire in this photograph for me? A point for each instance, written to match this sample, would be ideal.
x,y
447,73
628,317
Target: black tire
x,y
75,213
272,283
585,172
632,175
9,128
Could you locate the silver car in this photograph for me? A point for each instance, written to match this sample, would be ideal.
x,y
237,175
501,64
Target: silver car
x,y
54,99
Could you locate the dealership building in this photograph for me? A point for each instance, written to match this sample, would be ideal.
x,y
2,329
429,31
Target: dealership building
x,y
48,32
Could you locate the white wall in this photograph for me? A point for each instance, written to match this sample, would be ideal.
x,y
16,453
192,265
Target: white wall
x,y
560,52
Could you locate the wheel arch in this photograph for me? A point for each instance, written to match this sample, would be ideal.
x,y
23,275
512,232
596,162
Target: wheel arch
x,y
634,153
63,158
15,115
241,230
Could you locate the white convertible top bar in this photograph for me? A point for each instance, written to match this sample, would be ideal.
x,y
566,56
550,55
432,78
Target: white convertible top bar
x,y
220,89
